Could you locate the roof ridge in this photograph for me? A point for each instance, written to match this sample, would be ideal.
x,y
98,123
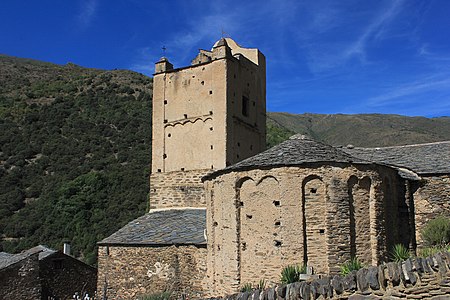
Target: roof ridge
x,y
174,208
402,146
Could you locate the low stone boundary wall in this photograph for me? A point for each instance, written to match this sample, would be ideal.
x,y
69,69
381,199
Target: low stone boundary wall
x,y
415,278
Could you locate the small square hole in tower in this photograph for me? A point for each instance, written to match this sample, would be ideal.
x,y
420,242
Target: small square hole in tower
x,y
276,203
210,92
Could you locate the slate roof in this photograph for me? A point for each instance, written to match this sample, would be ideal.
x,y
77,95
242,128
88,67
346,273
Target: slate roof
x,y
297,150
176,226
431,158
7,259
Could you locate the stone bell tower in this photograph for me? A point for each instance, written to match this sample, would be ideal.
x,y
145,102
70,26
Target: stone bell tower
x,y
206,116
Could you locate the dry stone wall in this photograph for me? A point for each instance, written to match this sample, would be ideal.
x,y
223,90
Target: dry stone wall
x,y
177,189
418,278
129,272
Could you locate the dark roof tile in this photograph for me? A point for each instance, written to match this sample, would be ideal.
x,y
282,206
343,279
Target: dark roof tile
x,y
163,227
298,150
431,158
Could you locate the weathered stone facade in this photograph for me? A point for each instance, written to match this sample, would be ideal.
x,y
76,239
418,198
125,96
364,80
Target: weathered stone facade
x,y
62,276
211,114
177,189
431,199
261,220
43,273
129,272
425,169
21,280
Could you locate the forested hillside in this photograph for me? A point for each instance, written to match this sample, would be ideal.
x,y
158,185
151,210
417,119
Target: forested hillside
x,y
74,157
76,150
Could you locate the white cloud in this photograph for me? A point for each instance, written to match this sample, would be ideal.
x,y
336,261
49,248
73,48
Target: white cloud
x,y
87,13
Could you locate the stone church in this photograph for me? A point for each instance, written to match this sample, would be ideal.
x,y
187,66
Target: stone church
x,y
224,212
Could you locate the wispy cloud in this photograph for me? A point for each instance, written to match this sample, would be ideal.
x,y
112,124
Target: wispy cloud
x,y
87,13
399,94
374,30
331,40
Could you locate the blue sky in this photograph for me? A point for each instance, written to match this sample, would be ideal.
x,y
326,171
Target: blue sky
x,y
323,56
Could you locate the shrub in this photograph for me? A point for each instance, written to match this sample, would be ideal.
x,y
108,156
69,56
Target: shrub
x,y
247,287
291,273
352,265
437,231
261,285
399,253
430,251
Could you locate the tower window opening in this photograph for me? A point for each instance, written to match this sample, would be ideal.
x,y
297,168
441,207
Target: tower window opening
x,y
245,102
185,116
210,92
165,101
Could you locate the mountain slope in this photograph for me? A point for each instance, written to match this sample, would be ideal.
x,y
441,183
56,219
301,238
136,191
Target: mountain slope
x,y
365,130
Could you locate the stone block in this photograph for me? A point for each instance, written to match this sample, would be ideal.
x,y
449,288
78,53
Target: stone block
x,y
281,291
394,273
337,284
305,290
372,278
349,282
361,279
325,288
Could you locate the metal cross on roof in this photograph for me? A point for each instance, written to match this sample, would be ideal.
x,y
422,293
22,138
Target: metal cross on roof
x,y
164,50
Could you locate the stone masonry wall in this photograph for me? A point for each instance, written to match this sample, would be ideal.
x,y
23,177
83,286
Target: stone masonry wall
x,y
177,189
419,278
262,220
431,199
21,280
129,272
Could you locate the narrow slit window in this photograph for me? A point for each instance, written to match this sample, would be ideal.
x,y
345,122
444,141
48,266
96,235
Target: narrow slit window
x,y
245,102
